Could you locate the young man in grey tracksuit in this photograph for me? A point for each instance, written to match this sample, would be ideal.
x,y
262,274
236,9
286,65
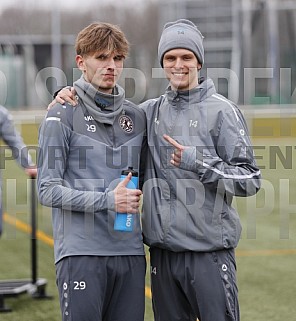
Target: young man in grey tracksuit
x,y
14,142
100,271
199,157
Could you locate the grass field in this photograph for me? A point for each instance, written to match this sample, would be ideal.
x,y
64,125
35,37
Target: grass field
x,y
266,256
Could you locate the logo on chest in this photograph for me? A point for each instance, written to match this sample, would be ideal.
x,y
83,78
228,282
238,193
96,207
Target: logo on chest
x,y
126,124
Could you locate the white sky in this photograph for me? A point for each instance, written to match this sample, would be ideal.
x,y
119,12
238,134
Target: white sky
x,y
63,4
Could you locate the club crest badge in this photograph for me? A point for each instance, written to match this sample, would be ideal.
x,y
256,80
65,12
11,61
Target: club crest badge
x,y
126,124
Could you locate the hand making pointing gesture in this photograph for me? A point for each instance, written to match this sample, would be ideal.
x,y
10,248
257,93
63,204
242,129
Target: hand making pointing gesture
x,y
177,154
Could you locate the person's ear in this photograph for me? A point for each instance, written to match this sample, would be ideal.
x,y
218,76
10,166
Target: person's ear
x,y
80,62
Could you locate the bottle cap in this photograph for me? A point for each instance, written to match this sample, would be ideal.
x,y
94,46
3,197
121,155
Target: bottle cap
x,y
129,170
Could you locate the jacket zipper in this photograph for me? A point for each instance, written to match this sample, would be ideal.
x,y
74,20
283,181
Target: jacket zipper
x,y
172,201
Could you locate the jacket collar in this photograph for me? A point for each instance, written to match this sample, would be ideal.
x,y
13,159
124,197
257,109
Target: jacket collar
x,y
103,107
205,89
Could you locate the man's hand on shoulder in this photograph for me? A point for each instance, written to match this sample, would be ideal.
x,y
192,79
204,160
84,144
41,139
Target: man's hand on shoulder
x,y
67,94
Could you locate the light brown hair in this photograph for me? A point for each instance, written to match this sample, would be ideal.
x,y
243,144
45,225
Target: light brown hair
x,y
101,36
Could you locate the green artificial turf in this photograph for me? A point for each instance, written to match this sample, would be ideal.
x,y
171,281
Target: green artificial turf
x,y
266,255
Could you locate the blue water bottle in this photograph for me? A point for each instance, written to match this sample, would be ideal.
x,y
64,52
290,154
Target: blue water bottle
x,y
124,221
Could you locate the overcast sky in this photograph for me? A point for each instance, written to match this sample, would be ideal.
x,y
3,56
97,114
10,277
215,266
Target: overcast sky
x,y
65,4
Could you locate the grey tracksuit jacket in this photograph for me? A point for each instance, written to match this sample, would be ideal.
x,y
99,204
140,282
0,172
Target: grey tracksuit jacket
x,y
189,208
14,142
79,165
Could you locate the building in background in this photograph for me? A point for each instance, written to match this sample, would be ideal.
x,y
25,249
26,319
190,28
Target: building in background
x,y
250,48
250,45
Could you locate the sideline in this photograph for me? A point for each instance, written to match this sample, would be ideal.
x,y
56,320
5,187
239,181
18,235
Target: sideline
x,y
24,227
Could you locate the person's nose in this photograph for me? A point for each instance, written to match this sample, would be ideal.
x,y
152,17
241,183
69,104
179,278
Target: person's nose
x,y
179,63
110,63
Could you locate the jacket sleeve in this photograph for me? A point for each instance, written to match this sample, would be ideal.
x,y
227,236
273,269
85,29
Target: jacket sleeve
x,y
13,139
53,190
230,165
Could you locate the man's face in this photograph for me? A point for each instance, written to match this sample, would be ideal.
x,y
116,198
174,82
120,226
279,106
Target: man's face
x,y
101,70
181,68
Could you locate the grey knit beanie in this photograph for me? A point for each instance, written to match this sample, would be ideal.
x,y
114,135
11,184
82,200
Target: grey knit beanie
x,y
181,34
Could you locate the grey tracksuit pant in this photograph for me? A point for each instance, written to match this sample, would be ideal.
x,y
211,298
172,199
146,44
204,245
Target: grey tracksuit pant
x,y
190,285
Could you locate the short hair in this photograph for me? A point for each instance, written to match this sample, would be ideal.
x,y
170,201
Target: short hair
x,y
101,36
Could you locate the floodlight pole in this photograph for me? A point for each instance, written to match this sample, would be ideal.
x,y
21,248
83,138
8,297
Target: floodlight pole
x,y
56,48
273,50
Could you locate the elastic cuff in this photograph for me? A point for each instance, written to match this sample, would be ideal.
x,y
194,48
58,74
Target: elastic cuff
x,y
188,160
